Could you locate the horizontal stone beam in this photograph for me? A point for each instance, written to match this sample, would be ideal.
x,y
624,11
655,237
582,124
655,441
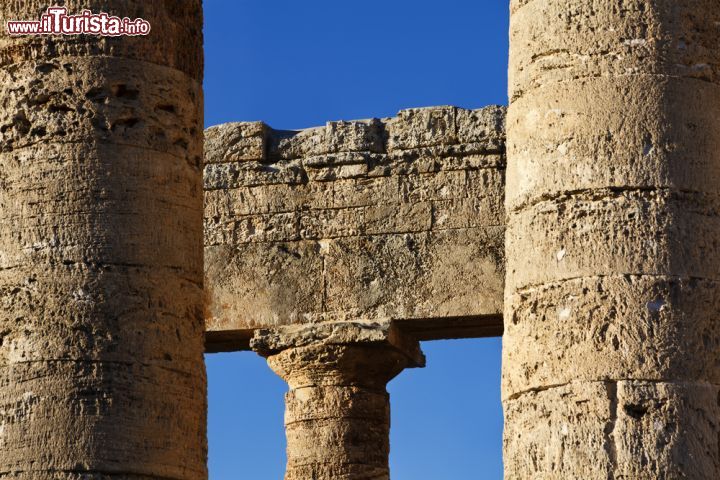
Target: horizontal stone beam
x,y
396,219
423,329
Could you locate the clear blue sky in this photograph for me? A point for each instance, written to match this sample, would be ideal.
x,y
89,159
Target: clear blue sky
x,y
299,63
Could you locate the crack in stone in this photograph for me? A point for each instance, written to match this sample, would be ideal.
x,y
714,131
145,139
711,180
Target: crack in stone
x,y
609,430
555,283
601,193
537,389
518,93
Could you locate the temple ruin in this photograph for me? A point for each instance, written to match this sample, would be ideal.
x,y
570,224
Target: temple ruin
x,y
582,224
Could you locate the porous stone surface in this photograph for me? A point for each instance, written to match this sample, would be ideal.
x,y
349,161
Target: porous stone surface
x,y
101,326
337,411
611,362
635,429
398,218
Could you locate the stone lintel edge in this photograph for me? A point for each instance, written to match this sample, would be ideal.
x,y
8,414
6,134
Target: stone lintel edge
x,y
218,340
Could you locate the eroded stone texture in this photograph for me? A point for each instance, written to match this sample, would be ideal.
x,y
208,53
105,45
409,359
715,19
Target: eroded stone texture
x,y
611,360
396,218
614,429
101,330
337,416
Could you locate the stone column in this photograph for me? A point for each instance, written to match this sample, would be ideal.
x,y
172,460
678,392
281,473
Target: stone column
x,y
101,328
612,340
337,415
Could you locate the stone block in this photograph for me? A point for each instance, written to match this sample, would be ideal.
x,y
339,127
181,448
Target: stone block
x,y
397,218
422,127
650,327
259,285
625,429
234,142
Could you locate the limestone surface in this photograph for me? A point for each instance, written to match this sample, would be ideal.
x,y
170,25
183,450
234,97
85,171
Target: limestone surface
x,y
337,411
611,362
399,218
101,328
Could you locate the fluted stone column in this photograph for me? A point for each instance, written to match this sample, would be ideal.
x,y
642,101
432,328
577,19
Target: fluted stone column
x,y
337,415
101,328
612,339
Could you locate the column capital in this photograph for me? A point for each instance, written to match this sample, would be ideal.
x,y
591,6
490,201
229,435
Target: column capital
x,y
269,342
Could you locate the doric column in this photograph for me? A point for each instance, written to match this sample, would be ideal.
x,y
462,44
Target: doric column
x,y
337,415
612,339
101,328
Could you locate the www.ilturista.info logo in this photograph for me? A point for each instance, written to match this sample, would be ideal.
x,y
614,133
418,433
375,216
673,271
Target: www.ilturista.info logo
x,y
56,21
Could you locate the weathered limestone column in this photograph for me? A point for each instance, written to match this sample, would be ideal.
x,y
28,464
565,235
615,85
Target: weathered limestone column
x,y
337,415
101,328
612,340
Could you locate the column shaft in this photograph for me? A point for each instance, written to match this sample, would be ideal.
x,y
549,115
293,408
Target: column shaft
x,y
611,347
101,329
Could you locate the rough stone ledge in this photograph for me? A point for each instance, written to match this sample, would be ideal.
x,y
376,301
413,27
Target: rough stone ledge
x,y
413,129
269,342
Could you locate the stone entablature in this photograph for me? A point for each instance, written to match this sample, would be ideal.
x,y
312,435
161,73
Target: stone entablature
x,y
399,218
